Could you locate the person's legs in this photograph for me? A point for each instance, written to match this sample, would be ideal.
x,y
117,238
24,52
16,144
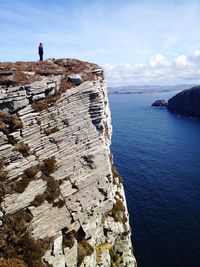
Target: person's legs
x,y
41,57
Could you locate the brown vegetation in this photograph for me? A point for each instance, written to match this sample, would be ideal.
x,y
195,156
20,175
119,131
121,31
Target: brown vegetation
x,y
52,193
118,211
23,148
40,105
31,172
9,123
2,164
21,78
116,260
101,249
16,241
53,189
84,249
49,166
3,174
21,185
65,85
16,74
69,239
114,172
117,179
13,262
59,203
38,200
52,99
49,131
26,178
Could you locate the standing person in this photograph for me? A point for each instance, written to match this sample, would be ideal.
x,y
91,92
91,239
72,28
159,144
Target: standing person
x,y
41,51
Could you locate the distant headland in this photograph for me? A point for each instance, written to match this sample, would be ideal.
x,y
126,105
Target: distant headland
x,y
186,103
143,89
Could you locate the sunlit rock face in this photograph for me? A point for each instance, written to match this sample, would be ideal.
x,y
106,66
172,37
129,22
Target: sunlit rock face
x,y
61,197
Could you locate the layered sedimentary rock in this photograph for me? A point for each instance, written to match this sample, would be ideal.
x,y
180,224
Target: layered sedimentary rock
x,y
186,102
62,201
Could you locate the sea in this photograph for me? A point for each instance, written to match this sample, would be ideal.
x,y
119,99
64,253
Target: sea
x,y
158,155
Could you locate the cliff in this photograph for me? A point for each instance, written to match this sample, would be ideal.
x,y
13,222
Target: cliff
x,y
62,200
186,102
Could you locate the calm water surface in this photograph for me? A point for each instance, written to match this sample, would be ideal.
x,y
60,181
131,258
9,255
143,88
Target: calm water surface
x,y
158,155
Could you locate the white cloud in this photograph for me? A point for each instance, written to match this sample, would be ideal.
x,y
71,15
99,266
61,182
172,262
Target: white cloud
x,y
158,60
182,60
158,70
108,31
128,31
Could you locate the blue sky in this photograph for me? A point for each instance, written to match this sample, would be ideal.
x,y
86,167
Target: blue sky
x,y
138,41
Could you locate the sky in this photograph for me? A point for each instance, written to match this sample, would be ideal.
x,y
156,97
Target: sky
x,y
135,41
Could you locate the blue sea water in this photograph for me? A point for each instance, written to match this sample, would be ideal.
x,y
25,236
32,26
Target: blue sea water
x,y
158,155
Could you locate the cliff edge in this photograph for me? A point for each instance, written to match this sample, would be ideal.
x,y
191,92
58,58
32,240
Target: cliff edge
x,y
62,200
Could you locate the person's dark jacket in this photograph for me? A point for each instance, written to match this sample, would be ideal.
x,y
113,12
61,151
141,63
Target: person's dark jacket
x,y
40,50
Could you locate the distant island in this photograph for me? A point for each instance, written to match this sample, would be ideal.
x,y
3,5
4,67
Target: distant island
x,y
143,89
186,103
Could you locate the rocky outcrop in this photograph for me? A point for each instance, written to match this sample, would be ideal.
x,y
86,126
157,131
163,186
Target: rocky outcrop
x,y
62,201
159,103
186,102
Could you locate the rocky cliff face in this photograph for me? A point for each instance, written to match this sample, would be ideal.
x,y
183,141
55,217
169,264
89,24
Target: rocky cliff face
x,y
186,102
62,201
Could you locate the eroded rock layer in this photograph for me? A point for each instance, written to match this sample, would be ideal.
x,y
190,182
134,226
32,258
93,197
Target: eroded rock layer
x,y
62,201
